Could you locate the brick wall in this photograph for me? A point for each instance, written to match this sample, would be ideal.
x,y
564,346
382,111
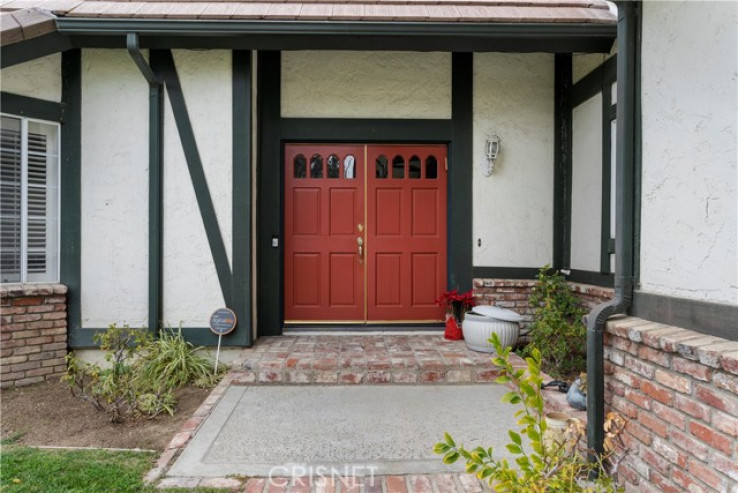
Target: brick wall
x,y
513,294
679,390
33,335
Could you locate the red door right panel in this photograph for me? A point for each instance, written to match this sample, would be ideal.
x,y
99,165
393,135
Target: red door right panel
x,y
406,232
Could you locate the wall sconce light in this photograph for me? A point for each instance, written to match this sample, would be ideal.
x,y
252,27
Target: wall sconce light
x,y
491,150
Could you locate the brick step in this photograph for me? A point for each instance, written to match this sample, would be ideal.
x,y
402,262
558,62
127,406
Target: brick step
x,y
368,359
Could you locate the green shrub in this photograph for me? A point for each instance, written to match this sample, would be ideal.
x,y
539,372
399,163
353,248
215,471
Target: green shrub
x,y
541,465
142,373
175,361
557,329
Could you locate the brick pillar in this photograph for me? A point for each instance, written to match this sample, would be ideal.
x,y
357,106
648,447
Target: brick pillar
x,y
33,333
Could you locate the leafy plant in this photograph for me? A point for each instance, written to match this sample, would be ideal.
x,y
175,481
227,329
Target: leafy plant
x,y
557,329
540,465
142,373
456,303
175,361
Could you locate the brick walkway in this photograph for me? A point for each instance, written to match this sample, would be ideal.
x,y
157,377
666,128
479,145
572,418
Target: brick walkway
x,y
386,359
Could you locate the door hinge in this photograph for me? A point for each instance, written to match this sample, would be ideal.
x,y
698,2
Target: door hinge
x,y
445,164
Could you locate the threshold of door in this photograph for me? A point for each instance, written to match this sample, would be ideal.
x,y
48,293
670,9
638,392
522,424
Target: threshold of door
x,y
348,329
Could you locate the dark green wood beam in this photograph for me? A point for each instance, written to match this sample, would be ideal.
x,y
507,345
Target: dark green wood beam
x,y
270,207
70,186
241,214
40,109
365,130
461,157
33,48
156,222
562,162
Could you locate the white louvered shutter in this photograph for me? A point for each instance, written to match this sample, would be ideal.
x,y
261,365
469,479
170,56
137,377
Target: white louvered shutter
x,y
10,199
30,175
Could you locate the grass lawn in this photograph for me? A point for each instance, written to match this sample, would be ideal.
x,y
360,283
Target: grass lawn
x,y
25,469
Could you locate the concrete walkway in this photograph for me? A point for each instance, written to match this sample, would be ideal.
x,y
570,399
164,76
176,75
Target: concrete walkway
x,y
368,430
273,424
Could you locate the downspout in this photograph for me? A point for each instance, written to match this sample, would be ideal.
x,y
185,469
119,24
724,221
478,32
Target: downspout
x,y
156,112
140,61
624,192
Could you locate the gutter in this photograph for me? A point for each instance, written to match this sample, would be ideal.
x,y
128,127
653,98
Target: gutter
x,y
624,227
199,27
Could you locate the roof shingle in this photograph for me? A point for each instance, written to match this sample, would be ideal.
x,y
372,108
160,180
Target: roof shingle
x,y
496,11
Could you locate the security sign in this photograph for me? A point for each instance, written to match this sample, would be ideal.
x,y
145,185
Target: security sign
x,y
222,321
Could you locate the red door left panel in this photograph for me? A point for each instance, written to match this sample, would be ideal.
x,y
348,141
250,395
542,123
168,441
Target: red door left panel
x,y
324,208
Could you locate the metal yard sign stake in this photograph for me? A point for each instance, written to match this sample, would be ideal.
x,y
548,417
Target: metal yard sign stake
x,y
222,322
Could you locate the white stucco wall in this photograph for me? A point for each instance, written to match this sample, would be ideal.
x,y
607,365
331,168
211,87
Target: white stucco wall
x,y
689,215
349,84
586,195
513,208
582,64
114,190
40,78
191,290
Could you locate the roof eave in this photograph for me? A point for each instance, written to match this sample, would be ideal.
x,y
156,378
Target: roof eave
x,y
345,35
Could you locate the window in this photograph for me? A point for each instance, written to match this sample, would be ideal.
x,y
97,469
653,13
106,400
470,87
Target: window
x,y
29,200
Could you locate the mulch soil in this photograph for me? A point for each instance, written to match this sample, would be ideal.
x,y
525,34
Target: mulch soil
x,y
47,414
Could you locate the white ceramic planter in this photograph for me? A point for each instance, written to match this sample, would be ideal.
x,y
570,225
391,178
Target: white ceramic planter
x,y
478,329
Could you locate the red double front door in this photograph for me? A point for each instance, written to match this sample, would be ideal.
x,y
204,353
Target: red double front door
x,y
365,233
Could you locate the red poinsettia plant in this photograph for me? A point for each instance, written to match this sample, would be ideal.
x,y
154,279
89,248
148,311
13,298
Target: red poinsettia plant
x,y
456,303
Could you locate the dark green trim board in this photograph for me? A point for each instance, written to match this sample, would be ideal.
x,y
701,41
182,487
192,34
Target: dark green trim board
x,y
198,336
324,41
241,196
348,35
606,178
40,109
70,217
33,48
593,83
269,183
638,147
461,157
163,64
505,272
715,319
365,130
605,280
562,161
156,222
174,27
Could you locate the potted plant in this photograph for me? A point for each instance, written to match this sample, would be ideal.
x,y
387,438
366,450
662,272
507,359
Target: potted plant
x,y
456,305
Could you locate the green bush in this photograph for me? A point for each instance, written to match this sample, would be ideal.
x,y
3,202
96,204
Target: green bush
x,y
142,374
557,329
174,361
541,465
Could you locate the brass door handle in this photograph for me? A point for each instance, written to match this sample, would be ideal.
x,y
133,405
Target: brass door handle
x,y
360,242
